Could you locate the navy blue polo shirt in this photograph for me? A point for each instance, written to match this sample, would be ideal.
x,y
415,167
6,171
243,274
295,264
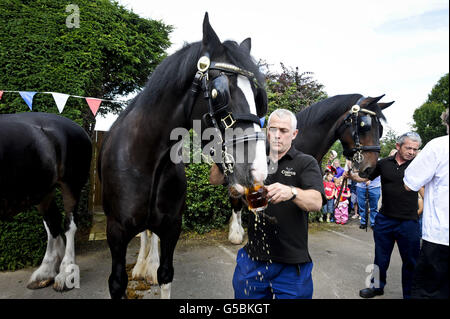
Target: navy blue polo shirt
x,y
396,201
287,240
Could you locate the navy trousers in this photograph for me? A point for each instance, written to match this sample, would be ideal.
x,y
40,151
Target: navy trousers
x,y
386,233
254,279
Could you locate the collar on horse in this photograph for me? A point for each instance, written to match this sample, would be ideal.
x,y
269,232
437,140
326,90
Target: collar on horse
x,y
351,120
220,115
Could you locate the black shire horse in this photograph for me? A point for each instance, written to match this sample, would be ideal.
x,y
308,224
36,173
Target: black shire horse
x,y
39,152
352,118
143,185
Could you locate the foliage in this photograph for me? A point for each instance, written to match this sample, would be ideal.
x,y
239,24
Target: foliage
x,y
22,241
110,54
427,118
207,206
387,143
291,89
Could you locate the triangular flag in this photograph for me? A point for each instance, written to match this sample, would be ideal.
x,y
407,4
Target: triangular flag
x,y
94,104
60,100
28,98
1,93
262,120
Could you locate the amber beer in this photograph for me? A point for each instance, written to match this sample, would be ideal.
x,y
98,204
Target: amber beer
x,y
256,197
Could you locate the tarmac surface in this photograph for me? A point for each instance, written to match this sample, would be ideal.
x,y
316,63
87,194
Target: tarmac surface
x,y
204,267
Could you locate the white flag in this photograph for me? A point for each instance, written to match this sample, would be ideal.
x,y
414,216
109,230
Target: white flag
x,y
60,100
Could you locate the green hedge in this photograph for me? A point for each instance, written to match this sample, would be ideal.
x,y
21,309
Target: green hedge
x,y
22,241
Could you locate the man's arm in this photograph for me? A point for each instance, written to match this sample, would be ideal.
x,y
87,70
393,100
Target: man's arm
x,y
308,200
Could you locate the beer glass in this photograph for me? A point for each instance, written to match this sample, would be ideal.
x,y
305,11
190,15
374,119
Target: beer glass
x,y
256,197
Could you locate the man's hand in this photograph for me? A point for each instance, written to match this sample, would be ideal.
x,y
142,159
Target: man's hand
x,y
309,200
278,193
216,177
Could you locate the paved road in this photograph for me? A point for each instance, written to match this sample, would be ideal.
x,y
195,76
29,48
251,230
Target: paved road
x,y
204,268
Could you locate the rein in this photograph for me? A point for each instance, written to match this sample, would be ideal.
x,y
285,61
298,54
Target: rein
x,y
221,117
343,185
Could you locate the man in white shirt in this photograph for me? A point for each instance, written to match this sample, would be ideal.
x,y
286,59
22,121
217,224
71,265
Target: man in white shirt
x,y
430,169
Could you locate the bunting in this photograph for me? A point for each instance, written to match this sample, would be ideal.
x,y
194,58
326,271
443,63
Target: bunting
x,y
28,98
60,100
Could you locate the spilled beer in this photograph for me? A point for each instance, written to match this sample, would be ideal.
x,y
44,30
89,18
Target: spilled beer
x,y
257,201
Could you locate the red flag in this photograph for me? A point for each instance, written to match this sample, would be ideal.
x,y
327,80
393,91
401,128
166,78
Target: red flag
x,y
94,104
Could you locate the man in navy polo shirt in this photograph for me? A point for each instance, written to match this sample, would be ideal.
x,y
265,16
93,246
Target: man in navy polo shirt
x,y
275,262
397,220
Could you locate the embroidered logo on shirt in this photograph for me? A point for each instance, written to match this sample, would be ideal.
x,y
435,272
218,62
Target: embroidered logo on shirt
x,y
288,172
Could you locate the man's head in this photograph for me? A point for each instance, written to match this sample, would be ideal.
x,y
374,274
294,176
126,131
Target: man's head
x,y
407,146
282,130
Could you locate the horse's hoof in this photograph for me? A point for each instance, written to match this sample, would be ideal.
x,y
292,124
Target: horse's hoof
x,y
235,241
138,272
39,284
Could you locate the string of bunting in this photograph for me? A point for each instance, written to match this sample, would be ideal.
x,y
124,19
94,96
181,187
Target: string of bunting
x,y
60,99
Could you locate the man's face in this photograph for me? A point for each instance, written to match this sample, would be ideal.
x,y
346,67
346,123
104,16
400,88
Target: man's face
x,y
280,134
408,150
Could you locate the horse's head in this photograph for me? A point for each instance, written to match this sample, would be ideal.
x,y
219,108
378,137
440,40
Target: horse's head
x,y
233,102
360,130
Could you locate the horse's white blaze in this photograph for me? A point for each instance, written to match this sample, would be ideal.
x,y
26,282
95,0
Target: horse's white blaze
x,y
139,268
152,261
69,257
259,165
236,231
54,253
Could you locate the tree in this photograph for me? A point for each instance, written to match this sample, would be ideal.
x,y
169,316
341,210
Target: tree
x,y
427,119
291,89
94,49
387,143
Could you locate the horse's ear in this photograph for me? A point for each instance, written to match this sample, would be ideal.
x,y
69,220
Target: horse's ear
x,y
246,44
371,100
210,38
385,105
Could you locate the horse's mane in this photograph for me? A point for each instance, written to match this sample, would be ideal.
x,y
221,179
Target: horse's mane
x,y
176,72
329,110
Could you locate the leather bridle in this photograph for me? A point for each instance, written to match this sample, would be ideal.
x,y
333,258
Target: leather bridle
x,y
219,115
354,121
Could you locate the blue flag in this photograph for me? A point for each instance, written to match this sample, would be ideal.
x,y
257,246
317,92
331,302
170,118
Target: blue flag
x,y
262,120
28,98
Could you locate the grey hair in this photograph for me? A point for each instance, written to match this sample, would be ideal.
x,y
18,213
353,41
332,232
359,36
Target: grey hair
x,y
283,113
412,136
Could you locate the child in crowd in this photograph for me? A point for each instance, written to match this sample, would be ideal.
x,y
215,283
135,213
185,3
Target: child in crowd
x,y
328,208
341,211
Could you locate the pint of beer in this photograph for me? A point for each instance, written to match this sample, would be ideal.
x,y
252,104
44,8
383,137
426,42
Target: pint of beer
x,y
256,197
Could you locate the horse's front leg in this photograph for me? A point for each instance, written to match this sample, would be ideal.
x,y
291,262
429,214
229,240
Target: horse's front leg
x,y
166,271
140,267
236,231
152,261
